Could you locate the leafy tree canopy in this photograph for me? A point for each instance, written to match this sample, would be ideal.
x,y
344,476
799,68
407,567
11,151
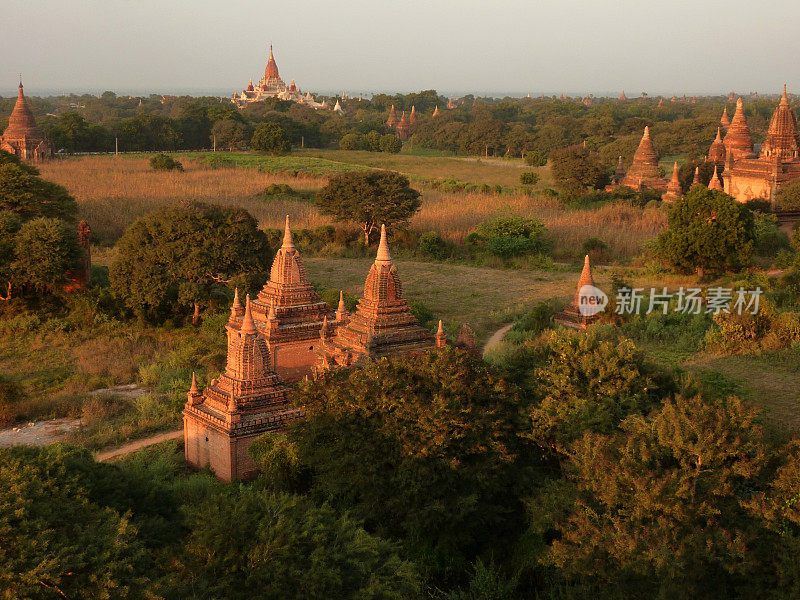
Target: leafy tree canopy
x,y
22,191
270,137
45,251
370,198
709,232
577,169
183,254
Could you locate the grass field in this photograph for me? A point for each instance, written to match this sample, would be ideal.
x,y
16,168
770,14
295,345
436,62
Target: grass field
x,y
114,192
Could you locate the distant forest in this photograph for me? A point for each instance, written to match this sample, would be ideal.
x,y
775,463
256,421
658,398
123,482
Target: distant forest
x,y
477,126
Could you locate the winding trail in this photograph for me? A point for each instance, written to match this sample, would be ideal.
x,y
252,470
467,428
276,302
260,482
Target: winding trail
x,y
496,338
109,453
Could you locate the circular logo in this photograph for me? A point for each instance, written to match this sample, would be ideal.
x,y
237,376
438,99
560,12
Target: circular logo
x,y
591,300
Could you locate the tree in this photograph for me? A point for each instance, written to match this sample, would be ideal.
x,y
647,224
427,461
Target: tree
x,y
22,191
373,141
578,169
60,535
271,138
352,141
391,143
230,134
788,196
370,198
181,255
422,448
659,508
536,158
248,543
45,251
709,232
589,384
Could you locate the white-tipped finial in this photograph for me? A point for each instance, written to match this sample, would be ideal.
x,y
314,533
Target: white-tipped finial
x,y
288,242
248,325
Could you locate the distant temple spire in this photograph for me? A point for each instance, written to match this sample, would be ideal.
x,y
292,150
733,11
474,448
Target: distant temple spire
x,y
738,139
717,152
724,121
673,192
696,179
441,338
715,183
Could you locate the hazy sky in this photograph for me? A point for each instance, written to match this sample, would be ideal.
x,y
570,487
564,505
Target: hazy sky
x,y
511,46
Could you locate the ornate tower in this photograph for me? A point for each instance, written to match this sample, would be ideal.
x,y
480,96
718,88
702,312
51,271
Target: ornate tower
x,y
673,187
717,152
391,122
23,137
644,171
382,324
289,313
572,316
737,139
244,402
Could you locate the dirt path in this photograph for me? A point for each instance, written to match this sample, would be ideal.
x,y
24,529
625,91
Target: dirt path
x,y
496,337
110,453
38,433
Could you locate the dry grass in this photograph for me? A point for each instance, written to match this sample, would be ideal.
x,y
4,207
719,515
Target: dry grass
x,y
624,228
113,192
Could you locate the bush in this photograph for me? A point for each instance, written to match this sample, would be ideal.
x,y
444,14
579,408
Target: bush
x,y
391,143
766,330
164,162
278,189
513,236
788,196
351,141
769,240
595,248
536,158
432,243
10,395
529,178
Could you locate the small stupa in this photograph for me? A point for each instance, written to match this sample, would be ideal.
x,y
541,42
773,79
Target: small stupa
x,y
644,171
673,192
573,315
738,139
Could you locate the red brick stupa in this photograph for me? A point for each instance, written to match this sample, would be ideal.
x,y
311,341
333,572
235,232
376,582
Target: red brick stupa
x,y
22,137
382,324
402,127
644,171
717,152
714,183
572,316
391,122
289,313
673,192
246,401
738,139
724,121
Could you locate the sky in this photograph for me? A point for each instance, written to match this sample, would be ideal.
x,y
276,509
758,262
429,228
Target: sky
x,y
487,47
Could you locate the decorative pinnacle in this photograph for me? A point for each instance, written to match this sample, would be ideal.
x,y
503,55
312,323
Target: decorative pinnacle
x,y
341,302
783,98
324,329
719,135
383,257
646,131
193,390
248,325
288,242
236,306
271,315
440,331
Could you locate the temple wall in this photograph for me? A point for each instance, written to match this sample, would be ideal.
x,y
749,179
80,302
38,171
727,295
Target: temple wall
x,y
747,188
207,447
294,360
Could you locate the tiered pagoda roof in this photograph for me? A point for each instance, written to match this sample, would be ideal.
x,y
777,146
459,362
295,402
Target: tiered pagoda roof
x,y
246,400
382,324
717,152
781,143
738,139
288,308
571,316
392,120
402,127
724,121
22,136
644,171
271,70
715,183
673,192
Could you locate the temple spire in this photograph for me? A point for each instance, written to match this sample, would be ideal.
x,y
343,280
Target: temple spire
x,y
193,390
715,183
248,325
696,179
288,242
383,256
441,338
236,306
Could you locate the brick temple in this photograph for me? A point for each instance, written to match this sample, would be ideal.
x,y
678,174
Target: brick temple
x,y
247,400
382,324
23,137
289,314
747,176
644,171
673,192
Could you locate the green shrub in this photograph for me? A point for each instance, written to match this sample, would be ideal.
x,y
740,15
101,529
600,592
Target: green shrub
x,y
529,178
431,243
595,248
513,236
10,395
277,189
164,162
351,141
536,158
391,143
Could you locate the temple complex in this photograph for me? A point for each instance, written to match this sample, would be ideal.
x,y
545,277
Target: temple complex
x,y
272,86
673,192
382,324
747,177
644,171
289,313
22,137
737,139
572,316
246,401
